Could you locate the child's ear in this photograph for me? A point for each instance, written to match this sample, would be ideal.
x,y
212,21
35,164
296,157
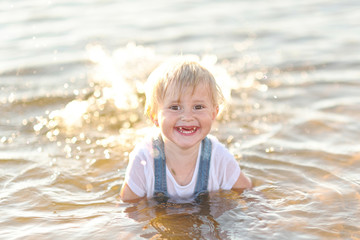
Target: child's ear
x,y
215,112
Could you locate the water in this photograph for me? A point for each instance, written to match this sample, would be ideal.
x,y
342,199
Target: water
x,y
71,105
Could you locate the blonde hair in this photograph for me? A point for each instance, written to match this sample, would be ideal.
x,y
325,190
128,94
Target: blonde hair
x,y
175,77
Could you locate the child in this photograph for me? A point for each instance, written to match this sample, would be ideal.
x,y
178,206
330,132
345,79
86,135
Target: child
x,y
181,161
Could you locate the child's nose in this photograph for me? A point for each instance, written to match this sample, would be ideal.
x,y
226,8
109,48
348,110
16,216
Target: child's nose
x,y
187,114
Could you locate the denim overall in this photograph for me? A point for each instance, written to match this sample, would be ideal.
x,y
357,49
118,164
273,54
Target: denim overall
x,y
160,189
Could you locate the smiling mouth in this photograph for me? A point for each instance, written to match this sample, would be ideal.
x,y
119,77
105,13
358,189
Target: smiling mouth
x,y
186,130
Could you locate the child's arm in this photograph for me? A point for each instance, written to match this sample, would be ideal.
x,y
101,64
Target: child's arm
x,y
127,195
243,182
135,174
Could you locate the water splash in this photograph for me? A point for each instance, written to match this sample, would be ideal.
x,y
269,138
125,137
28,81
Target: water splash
x,y
115,96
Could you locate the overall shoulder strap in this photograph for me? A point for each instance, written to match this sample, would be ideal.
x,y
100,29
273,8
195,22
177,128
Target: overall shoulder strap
x,y
160,187
204,167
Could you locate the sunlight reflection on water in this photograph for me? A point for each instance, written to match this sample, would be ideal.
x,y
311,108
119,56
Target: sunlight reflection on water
x,y
72,99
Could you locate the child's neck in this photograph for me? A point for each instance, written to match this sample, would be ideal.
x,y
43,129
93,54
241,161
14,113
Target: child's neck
x,y
181,156
181,162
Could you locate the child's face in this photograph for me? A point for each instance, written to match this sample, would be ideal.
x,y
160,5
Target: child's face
x,y
185,121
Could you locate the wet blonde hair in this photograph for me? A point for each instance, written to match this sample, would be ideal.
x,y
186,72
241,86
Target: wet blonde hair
x,y
175,77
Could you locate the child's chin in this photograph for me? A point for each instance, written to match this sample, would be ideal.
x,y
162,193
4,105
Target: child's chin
x,y
186,141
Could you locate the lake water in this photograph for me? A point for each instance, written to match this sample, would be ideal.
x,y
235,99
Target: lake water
x,y
71,103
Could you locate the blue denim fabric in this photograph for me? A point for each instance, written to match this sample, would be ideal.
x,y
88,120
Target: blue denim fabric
x,y
160,188
203,173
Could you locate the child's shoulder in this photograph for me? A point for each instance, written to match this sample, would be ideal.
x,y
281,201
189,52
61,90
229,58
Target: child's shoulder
x,y
215,142
219,149
143,147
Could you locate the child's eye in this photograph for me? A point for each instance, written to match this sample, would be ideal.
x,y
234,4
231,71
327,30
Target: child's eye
x,y
198,107
175,107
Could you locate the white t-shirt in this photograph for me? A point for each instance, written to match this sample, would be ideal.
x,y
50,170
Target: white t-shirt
x,y
140,177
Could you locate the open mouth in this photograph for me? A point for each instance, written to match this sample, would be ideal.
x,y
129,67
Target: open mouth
x,y
186,130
